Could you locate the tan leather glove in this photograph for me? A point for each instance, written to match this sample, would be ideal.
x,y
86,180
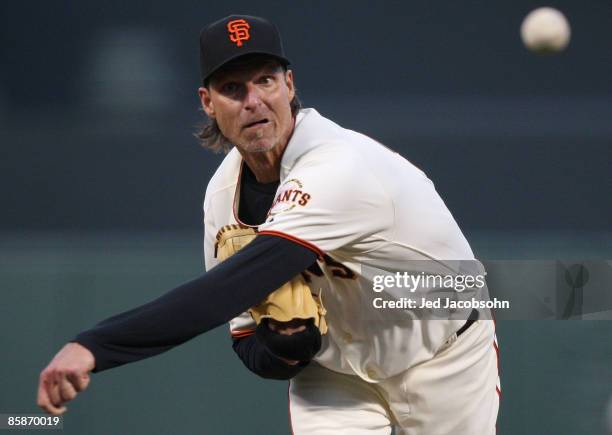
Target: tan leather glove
x,y
294,300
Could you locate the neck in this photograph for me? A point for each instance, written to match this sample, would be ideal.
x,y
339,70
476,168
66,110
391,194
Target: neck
x,y
265,165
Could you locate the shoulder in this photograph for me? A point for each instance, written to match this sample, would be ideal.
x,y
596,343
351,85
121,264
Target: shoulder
x,y
333,170
319,142
313,130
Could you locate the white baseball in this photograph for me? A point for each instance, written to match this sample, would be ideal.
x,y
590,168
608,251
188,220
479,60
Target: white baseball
x,y
545,30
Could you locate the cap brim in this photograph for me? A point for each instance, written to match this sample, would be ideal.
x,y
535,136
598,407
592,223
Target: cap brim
x,y
216,68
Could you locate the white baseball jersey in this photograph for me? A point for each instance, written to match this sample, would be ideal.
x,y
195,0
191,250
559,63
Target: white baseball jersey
x,y
363,208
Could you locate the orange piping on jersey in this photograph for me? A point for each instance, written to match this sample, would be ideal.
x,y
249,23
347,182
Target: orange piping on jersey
x,y
241,333
294,239
235,199
496,347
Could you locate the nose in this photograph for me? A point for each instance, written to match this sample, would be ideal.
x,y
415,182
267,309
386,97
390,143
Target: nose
x,y
252,97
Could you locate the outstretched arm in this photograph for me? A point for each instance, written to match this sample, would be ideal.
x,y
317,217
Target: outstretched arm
x,y
177,316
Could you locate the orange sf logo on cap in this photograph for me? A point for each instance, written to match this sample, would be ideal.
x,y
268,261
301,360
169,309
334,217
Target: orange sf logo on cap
x,y
238,31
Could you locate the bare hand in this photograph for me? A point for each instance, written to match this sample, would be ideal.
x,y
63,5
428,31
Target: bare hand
x,y
66,375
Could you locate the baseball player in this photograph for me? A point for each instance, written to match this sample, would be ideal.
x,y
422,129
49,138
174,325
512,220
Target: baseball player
x,y
303,221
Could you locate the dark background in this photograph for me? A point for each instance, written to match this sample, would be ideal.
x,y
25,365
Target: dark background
x,y
102,183
98,104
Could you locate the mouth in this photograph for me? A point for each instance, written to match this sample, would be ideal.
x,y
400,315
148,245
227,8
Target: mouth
x,y
263,121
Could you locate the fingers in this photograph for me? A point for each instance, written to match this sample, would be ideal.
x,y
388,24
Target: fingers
x,y
43,400
79,381
55,389
65,376
66,390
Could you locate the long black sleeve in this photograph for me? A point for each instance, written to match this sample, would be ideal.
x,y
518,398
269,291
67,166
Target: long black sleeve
x,y
197,306
260,361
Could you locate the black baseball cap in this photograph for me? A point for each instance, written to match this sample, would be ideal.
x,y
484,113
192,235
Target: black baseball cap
x,y
235,36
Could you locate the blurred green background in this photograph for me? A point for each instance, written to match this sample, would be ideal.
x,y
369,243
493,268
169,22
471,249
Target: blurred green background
x,y
555,374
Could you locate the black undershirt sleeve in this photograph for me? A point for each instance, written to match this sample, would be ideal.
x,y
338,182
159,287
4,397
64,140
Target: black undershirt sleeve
x,y
262,362
198,305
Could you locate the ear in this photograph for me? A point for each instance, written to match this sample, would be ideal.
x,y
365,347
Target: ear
x,y
289,82
206,102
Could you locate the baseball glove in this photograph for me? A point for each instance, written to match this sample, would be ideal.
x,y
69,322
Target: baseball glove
x,y
294,300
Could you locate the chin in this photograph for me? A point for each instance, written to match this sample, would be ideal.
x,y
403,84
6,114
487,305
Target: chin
x,y
260,146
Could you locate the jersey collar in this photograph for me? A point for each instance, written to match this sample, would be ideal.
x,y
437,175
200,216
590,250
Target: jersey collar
x,y
300,141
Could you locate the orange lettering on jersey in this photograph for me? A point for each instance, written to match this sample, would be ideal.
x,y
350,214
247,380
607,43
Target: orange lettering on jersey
x,y
239,31
295,194
304,200
286,195
289,197
337,269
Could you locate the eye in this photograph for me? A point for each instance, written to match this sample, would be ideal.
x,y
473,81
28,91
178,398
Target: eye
x,y
266,80
229,88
